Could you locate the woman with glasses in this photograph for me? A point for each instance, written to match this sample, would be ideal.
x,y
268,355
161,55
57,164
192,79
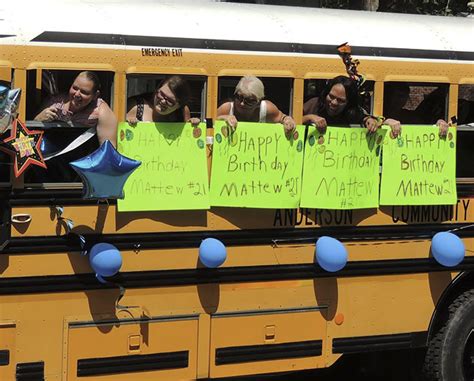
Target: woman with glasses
x,y
248,106
167,104
339,104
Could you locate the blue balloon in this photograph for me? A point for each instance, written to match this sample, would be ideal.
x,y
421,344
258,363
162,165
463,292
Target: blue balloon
x,y
212,252
9,103
3,97
448,249
330,254
105,259
104,172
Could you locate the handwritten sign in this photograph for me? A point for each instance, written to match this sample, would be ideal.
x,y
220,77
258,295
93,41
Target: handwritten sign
x,y
173,174
419,168
256,166
341,168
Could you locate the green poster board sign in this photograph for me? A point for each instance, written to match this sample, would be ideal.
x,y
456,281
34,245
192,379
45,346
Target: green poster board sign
x,y
173,174
419,168
256,166
341,168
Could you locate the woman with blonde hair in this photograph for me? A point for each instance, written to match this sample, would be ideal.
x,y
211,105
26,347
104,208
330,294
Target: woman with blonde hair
x,y
249,105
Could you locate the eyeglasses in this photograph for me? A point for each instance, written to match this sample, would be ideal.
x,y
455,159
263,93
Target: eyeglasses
x,y
248,101
162,97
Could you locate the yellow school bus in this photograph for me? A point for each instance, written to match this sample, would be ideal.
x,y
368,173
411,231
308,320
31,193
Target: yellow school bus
x,y
269,308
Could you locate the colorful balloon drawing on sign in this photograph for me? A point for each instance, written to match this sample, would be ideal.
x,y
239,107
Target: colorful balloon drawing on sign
x,y
173,175
256,166
419,168
341,168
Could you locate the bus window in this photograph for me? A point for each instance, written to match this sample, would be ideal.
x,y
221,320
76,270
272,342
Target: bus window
x,y
277,90
141,89
466,105
5,160
314,87
47,88
415,103
465,135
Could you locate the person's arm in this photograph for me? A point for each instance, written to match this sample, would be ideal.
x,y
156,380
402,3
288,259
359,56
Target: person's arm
x,y
48,113
223,114
107,125
274,115
131,116
394,125
443,127
310,106
310,117
187,117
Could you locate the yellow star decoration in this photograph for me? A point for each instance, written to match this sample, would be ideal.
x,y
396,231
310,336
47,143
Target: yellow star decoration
x,y
24,145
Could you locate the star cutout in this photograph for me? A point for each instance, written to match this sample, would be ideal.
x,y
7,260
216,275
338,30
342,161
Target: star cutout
x,y
104,172
24,146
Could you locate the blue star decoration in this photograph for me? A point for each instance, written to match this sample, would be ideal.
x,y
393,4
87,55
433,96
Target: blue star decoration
x,y
24,146
104,172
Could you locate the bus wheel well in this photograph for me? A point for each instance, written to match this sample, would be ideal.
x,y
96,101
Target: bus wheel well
x,y
462,283
450,350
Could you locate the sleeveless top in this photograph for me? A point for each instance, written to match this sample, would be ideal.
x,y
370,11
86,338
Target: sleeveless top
x,y
262,116
87,117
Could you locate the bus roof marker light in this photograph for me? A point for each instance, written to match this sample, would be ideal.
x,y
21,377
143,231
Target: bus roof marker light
x,y
448,249
105,259
330,254
212,253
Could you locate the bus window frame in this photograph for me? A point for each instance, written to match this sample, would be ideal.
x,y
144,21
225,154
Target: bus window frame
x,y
230,74
451,103
7,76
325,77
458,88
109,70
465,180
203,98
420,82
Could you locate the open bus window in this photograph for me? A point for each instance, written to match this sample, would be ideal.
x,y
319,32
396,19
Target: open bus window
x,y
5,159
466,105
416,103
277,90
465,134
65,132
142,88
5,169
464,154
314,87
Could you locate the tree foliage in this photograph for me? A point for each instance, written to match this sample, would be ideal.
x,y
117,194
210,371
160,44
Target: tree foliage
x,y
431,7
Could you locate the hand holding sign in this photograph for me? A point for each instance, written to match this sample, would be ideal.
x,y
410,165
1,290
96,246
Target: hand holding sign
x,y
419,168
256,166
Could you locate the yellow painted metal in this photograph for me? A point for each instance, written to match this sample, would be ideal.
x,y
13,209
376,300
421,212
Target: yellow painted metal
x,y
122,338
453,97
47,326
204,337
8,343
5,71
266,329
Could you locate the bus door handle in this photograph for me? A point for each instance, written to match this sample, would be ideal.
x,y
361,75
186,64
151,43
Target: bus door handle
x,y
21,218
